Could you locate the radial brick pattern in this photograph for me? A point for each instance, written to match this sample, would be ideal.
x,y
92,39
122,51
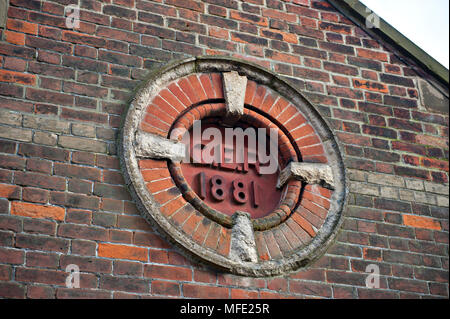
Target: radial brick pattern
x,y
191,98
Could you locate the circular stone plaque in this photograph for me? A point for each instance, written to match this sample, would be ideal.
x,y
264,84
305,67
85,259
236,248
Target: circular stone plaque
x,y
263,205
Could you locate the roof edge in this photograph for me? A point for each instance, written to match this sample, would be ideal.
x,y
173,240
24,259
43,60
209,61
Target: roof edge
x,y
358,12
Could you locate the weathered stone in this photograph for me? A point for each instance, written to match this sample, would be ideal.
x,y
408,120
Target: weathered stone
x,y
425,198
45,138
442,201
312,173
436,188
3,12
385,179
389,192
83,130
431,98
234,87
10,118
355,175
16,134
154,146
243,246
82,144
364,188
46,124
406,195
414,184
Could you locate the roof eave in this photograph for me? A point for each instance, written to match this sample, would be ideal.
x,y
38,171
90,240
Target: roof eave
x,y
357,12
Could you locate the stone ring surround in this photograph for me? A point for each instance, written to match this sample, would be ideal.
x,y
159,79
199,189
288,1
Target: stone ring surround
x,y
302,231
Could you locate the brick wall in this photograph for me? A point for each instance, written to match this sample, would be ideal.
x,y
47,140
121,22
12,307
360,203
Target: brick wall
x,y
62,198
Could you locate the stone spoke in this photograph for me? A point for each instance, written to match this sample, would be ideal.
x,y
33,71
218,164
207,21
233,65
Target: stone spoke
x,y
234,87
311,173
243,246
154,146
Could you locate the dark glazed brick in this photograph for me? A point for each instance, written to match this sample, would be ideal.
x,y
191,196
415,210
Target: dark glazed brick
x,y
119,12
393,79
389,204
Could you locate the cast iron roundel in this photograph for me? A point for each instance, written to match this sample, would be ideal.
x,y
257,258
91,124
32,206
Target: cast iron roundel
x,y
233,165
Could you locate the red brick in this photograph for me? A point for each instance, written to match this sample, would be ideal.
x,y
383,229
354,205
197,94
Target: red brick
x,y
15,37
344,29
129,284
70,293
371,86
12,256
250,91
311,74
265,102
283,57
12,290
243,294
246,17
22,26
9,191
435,163
421,222
76,37
165,288
168,272
204,276
275,14
5,272
304,224
38,259
278,284
37,211
83,247
40,292
17,77
188,4
122,252
280,35
370,54
302,131
206,292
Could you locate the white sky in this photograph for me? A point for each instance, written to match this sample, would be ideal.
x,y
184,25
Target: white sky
x,y
424,22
